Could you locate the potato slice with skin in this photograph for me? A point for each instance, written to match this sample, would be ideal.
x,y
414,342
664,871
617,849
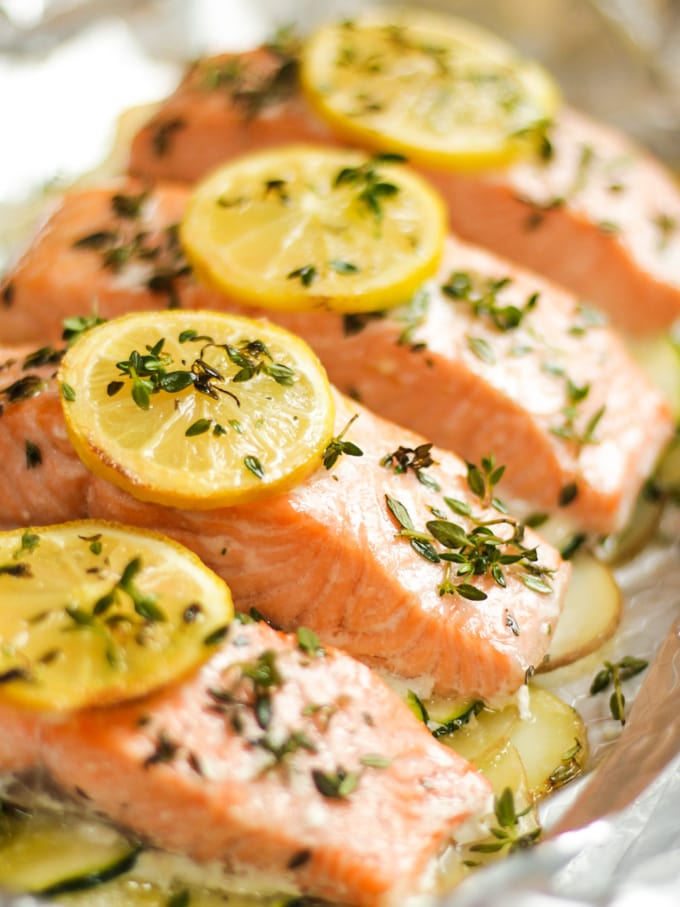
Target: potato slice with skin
x,y
591,613
550,739
485,734
503,767
551,742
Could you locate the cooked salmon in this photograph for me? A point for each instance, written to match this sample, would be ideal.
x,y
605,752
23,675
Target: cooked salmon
x,y
487,359
333,787
328,554
593,213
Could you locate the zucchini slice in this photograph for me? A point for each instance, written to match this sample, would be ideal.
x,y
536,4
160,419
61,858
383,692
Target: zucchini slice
x,y
49,854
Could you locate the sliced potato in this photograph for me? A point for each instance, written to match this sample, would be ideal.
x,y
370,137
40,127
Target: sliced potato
x,y
591,613
551,742
484,735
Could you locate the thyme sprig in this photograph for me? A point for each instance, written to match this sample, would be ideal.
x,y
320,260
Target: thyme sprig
x,y
250,90
416,459
373,190
478,551
253,358
127,242
507,832
105,616
481,294
615,673
337,446
149,372
568,430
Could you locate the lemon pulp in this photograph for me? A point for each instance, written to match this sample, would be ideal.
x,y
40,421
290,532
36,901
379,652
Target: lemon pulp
x,y
303,227
442,91
196,409
94,613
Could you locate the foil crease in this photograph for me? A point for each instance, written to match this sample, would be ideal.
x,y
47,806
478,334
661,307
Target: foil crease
x,y
618,59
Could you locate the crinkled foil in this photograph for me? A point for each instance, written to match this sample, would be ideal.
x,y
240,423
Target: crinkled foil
x,y
68,68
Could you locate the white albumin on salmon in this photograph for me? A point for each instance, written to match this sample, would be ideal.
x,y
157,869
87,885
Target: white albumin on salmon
x,y
594,212
326,555
314,775
487,359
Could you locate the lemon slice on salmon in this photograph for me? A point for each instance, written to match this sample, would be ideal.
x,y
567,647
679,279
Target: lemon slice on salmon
x,y
196,409
303,227
440,90
95,613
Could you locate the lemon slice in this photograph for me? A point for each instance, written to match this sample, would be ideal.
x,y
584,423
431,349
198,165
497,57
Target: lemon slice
x,y
95,613
303,227
438,89
196,409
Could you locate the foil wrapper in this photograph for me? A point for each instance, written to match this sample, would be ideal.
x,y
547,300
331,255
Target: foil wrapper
x,y
69,68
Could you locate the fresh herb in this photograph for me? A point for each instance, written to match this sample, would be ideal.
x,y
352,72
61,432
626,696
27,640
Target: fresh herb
x,y
7,294
343,267
252,464
34,456
215,637
568,494
507,832
144,604
128,243
476,551
417,459
163,133
355,322
335,785
337,446
587,317
165,750
573,545
616,673
412,315
373,190
128,206
179,899
481,348
570,766
253,358
76,325
199,427
308,642
568,430
46,355
306,274
481,294
23,388
667,227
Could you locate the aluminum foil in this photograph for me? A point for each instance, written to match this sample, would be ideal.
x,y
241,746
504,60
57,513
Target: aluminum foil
x,y
69,68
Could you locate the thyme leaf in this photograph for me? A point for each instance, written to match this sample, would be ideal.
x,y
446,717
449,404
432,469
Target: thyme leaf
x,y
337,446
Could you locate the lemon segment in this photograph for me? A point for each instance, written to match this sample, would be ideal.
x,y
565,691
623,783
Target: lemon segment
x,y
95,613
196,409
442,91
303,228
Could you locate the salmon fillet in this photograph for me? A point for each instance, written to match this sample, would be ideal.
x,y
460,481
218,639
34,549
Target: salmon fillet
x,y
595,213
203,769
327,554
452,365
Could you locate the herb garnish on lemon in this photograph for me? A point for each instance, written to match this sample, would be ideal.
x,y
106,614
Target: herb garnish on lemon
x,y
440,90
95,613
196,409
303,227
